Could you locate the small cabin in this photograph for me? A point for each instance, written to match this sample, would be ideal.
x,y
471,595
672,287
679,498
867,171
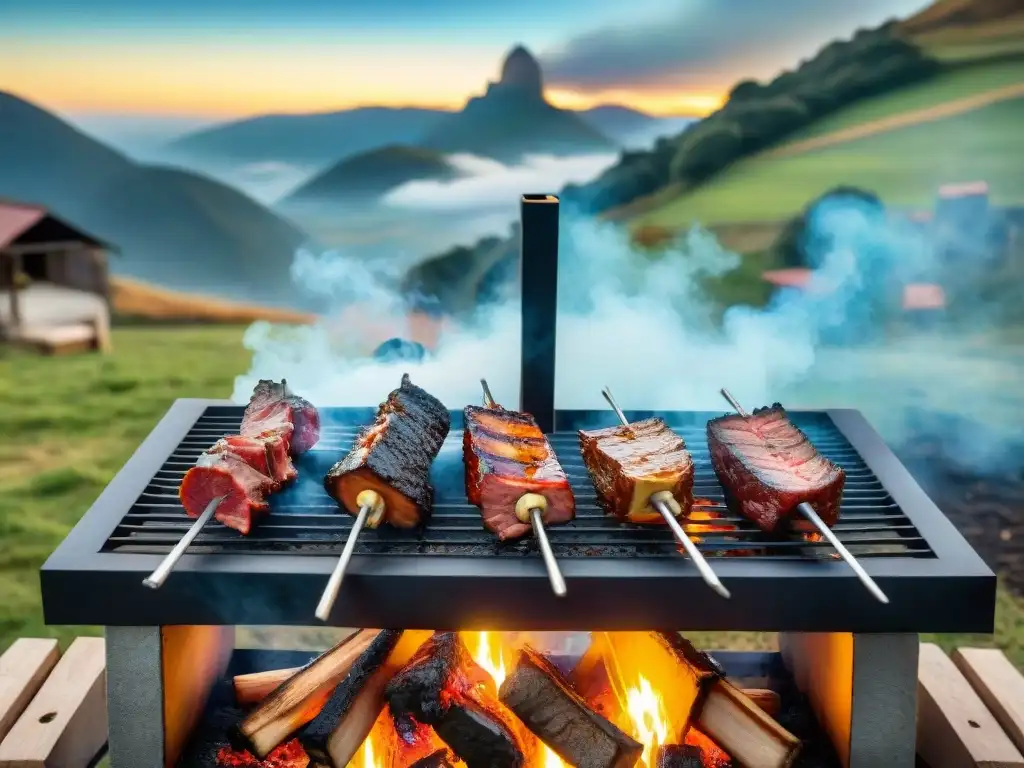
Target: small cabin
x,y
54,290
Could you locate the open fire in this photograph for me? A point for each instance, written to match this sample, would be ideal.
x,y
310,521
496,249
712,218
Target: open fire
x,y
633,700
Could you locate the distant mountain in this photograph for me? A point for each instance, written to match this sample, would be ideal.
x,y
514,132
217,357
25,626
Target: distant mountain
x,y
368,176
630,128
172,227
317,139
513,118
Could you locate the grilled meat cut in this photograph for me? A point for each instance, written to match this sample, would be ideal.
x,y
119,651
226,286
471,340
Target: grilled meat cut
x,y
267,455
629,463
224,474
506,455
443,687
767,467
393,456
275,409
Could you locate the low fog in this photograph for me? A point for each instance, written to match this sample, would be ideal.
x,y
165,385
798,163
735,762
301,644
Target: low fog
x,y
489,184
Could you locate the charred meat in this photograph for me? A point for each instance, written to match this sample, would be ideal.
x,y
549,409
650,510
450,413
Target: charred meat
x,y
268,455
768,467
546,703
224,474
506,456
443,687
275,409
393,456
631,462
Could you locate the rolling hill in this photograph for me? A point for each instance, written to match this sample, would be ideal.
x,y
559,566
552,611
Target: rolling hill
x,y
174,228
306,139
367,176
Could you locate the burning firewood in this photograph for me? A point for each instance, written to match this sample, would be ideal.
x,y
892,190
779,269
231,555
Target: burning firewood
x,y
711,755
544,700
440,759
694,692
254,687
443,687
678,756
335,735
297,701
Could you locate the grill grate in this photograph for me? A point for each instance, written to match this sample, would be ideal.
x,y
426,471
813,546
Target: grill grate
x,y
303,519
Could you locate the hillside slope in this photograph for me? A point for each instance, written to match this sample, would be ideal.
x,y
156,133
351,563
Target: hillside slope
x,y
904,167
175,228
312,139
365,177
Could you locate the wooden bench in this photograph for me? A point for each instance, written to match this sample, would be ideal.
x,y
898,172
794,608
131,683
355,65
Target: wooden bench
x,y
53,710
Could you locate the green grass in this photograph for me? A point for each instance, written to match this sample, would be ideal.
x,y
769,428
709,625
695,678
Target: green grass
x,y
903,166
69,423
955,84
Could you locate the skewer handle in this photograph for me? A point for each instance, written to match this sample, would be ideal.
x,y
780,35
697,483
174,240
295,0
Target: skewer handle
x,y
710,577
323,608
808,511
554,574
156,579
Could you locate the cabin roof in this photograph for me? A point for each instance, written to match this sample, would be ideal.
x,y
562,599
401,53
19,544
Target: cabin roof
x,y
923,296
19,221
964,189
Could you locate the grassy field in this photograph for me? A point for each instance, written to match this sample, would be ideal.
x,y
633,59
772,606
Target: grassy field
x,y
70,424
903,166
956,84
136,299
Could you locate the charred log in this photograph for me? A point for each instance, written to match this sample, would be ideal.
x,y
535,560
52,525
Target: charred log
x,y
440,759
678,756
393,456
546,703
337,732
296,701
443,687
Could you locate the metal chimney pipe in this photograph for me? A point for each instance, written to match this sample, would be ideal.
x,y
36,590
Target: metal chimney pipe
x,y
538,216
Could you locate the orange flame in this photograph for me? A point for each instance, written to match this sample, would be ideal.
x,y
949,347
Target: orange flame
x,y
489,654
647,711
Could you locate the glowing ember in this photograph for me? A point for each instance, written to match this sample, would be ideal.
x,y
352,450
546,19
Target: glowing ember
x,y
649,722
288,755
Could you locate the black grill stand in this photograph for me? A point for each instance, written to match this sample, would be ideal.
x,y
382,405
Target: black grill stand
x,y
862,685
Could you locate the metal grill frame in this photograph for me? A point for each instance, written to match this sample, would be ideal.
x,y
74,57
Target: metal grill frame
x,y
954,591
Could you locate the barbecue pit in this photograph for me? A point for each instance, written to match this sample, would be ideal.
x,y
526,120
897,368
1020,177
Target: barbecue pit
x,y
854,658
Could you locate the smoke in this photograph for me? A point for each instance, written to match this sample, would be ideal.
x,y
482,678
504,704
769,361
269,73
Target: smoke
x,y
487,183
651,328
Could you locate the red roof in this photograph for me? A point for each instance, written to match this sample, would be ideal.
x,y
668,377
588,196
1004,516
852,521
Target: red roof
x,y
965,189
16,219
923,296
794,277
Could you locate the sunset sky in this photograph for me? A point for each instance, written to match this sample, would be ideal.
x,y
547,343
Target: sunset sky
x,y
216,59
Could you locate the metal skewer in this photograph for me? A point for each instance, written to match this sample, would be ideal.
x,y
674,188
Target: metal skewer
x,y
371,512
709,576
156,579
537,523
808,512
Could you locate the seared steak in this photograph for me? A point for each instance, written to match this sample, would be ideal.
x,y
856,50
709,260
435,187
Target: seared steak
x,y
768,467
268,455
630,463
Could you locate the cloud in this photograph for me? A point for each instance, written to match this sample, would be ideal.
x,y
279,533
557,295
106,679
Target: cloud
x,y
488,184
711,43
